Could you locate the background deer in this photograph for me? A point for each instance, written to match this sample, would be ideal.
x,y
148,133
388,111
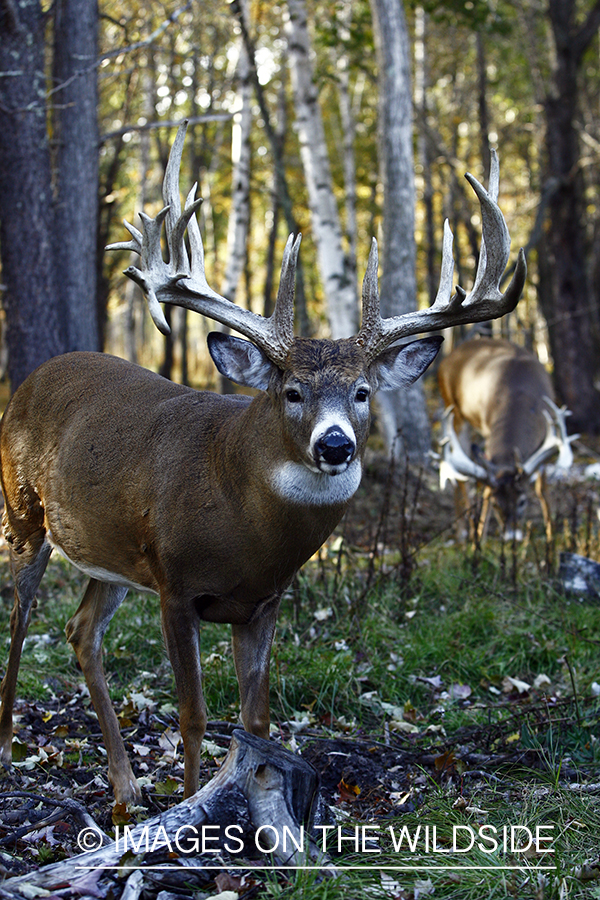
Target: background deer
x,y
211,502
506,395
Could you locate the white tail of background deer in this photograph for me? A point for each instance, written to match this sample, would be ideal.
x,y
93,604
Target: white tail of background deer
x,y
211,502
506,395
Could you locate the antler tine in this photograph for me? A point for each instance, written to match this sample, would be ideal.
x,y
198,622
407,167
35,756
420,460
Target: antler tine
x,y
484,302
174,230
372,327
182,281
555,441
488,219
283,314
565,452
135,244
550,446
455,465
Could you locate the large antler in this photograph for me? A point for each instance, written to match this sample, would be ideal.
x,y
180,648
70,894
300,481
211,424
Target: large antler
x,y
183,283
485,300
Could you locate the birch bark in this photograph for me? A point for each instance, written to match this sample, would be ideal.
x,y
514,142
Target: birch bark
x,y
239,218
404,415
340,289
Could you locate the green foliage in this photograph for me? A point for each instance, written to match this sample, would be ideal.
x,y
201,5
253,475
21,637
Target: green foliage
x,y
474,15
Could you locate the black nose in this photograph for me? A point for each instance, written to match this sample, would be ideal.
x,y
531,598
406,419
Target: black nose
x,y
334,447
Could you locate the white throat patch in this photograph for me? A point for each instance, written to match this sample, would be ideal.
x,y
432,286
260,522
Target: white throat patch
x,y
296,483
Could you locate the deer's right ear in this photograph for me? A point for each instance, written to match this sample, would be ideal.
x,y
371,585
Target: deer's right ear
x,y
240,360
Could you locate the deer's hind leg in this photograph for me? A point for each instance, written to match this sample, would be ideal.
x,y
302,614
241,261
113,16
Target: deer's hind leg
x,y
85,632
28,564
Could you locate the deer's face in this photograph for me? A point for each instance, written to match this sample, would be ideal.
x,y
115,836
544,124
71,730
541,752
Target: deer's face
x,y
509,495
321,398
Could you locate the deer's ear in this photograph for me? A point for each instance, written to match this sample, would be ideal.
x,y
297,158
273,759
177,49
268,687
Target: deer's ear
x,y
240,361
400,366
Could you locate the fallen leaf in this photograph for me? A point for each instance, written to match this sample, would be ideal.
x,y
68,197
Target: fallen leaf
x,y
226,882
509,683
166,788
423,888
19,751
43,834
141,749
213,749
460,691
60,731
348,792
435,681
120,814
445,762
169,740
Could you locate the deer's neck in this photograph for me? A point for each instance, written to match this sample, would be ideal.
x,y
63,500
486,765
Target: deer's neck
x,y
294,483
519,426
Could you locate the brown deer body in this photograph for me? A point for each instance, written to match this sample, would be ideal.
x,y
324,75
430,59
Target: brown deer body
x,y
211,502
506,395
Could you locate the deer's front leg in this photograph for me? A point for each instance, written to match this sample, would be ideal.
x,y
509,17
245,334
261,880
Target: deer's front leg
x,y
540,491
252,655
484,515
85,632
181,633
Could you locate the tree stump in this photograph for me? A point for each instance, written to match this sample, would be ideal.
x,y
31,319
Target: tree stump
x,y
261,800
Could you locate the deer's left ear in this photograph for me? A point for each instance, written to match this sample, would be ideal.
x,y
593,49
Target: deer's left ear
x,y
240,361
399,366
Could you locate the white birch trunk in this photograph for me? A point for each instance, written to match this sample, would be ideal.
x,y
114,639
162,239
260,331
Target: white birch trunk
x,y
404,414
239,216
348,136
340,290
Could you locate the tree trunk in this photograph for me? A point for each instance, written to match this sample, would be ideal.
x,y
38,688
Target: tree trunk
x,y
404,414
48,218
424,149
75,101
569,310
239,217
342,63
340,290
36,327
276,141
239,214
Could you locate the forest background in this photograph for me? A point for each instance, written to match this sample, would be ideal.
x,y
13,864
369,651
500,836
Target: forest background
x,y
342,120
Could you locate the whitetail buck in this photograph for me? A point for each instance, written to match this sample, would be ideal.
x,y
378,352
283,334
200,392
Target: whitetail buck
x,y
211,502
506,395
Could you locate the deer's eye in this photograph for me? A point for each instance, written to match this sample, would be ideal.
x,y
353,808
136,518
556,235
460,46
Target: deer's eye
x,y
293,396
362,395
